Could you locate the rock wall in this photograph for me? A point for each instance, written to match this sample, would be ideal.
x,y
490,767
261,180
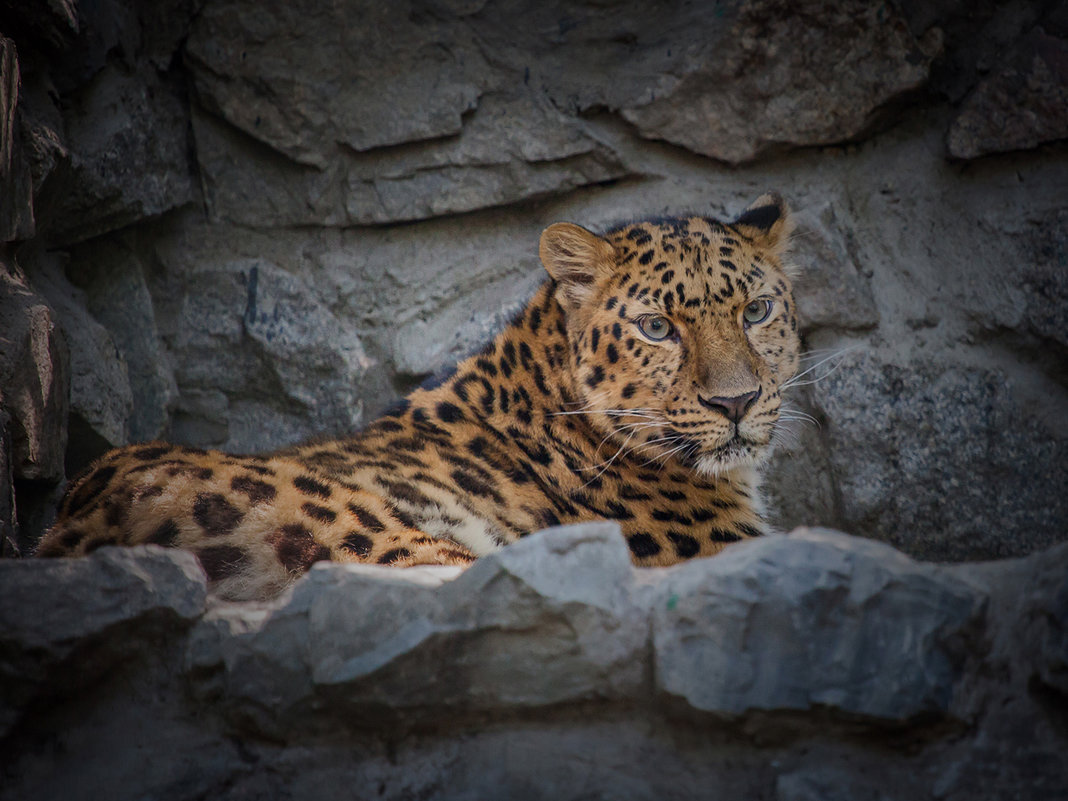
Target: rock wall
x,y
814,667
239,225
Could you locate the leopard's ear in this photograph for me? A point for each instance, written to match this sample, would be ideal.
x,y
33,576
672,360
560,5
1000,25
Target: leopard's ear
x,y
767,222
575,258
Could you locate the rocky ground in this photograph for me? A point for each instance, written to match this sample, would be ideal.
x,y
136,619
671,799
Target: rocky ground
x,y
814,667
237,225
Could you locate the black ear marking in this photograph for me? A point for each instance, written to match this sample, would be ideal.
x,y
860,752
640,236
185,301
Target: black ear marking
x,y
762,217
767,222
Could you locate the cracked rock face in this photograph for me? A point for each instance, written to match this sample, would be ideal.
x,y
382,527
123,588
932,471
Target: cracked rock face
x,y
555,637
787,74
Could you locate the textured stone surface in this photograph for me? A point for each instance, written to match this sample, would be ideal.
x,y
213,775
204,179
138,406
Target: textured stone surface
x,y
511,149
34,379
787,73
831,291
118,296
817,621
100,396
1023,103
98,612
312,664
257,352
129,154
16,211
390,79
809,666
882,414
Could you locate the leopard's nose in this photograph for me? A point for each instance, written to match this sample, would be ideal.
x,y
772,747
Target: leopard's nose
x,y
733,409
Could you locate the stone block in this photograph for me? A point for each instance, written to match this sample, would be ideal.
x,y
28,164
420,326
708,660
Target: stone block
x,y
65,622
930,458
813,621
1021,104
781,74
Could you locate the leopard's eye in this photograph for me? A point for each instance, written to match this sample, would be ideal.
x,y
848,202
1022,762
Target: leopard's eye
x,y
757,312
655,327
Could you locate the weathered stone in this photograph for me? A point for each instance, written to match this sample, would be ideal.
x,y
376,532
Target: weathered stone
x,y
99,609
1033,286
128,138
1021,105
34,380
16,198
100,397
505,679
112,276
311,663
370,74
253,342
817,620
830,290
787,74
510,148
896,437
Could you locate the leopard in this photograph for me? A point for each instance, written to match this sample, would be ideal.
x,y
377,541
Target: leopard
x,y
642,384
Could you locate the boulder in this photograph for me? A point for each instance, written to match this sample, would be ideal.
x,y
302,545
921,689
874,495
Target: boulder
x,y
809,666
98,613
511,148
818,621
420,649
1021,104
786,74
128,139
34,381
896,436
260,360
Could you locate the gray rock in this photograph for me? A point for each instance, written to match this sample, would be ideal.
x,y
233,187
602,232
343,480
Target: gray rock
x,y
787,74
830,291
939,461
510,148
814,621
1020,105
16,212
100,609
1034,284
545,622
551,668
260,360
100,398
113,278
128,138
34,379
395,77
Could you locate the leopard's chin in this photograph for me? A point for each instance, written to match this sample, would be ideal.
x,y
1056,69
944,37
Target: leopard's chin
x,y
735,453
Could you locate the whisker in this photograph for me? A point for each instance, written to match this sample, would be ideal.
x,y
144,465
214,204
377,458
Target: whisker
x,y
795,381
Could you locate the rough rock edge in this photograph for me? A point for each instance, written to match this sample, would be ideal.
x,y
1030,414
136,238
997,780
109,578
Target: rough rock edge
x,y
560,618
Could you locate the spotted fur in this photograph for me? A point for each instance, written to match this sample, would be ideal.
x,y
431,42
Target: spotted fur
x,y
639,385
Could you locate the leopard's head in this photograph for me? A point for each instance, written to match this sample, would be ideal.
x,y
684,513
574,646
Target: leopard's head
x,y
682,332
